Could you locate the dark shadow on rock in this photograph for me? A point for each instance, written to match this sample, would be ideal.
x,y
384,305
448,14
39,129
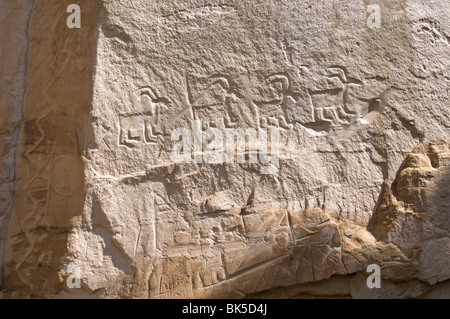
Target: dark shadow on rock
x,y
56,132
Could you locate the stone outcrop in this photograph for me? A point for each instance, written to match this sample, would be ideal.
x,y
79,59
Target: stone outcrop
x,y
122,162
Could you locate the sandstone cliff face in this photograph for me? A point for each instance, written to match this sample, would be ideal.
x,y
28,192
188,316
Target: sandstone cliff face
x,y
92,120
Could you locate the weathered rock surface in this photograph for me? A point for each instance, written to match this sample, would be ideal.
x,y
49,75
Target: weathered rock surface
x,y
91,116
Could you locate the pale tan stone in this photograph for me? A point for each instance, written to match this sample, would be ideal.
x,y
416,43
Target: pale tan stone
x,y
87,175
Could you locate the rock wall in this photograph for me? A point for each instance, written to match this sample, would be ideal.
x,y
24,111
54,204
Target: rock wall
x,y
13,57
122,155
51,97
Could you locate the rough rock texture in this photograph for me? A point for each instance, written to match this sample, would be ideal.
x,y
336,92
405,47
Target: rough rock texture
x,y
87,176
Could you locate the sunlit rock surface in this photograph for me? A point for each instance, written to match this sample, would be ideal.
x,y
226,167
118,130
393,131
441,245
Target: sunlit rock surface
x,y
359,175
